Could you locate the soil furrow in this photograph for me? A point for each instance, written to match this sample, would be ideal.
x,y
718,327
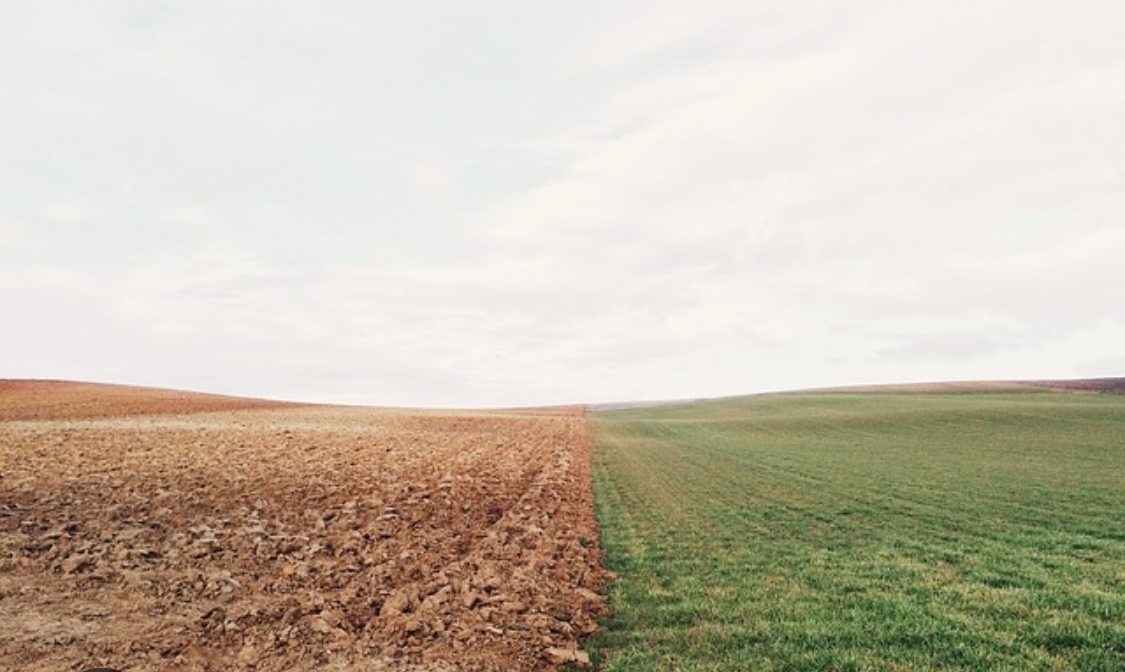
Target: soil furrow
x,y
290,537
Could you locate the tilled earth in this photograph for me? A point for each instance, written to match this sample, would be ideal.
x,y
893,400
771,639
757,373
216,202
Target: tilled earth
x,y
172,535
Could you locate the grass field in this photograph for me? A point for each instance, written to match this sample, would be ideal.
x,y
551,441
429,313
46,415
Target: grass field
x,y
865,531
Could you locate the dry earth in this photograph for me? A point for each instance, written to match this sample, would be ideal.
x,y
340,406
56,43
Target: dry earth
x,y
61,400
1103,385
146,530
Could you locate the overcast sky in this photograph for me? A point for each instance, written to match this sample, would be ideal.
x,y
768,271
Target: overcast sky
x,y
444,203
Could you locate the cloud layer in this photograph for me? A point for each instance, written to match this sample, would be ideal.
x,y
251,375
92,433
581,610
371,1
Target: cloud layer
x,y
508,206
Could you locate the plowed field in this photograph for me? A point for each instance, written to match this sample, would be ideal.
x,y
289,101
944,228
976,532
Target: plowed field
x,y
177,535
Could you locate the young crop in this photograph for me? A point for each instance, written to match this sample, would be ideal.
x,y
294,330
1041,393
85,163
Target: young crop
x,y
971,531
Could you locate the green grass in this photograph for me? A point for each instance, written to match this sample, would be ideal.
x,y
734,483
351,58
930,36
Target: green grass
x,y
913,531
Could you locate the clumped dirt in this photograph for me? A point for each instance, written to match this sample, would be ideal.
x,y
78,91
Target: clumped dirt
x,y
291,537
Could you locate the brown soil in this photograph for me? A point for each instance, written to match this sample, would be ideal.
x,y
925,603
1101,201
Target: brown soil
x,y
57,400
290,538
1106,385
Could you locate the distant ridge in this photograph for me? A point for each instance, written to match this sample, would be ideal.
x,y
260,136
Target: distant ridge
x,y
630,405
1110,385
1089,385
1104,385
65,400
62,399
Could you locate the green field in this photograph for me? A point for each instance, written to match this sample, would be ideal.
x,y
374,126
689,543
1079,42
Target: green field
x,y
873,531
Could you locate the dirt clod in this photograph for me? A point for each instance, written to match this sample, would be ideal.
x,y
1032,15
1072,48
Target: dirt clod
x,y
171,532
559,656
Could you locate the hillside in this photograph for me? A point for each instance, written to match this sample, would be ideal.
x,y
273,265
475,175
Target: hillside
x,y
155,530
65,400
960,528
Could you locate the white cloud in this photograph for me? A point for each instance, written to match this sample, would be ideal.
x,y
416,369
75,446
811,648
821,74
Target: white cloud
x,y
359,202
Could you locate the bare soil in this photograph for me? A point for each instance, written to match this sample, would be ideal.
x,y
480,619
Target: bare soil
x,y
62,400
1102,385
144,531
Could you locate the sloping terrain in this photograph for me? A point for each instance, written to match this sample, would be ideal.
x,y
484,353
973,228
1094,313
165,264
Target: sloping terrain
x,y
963,529
1103,385
58,400
273,537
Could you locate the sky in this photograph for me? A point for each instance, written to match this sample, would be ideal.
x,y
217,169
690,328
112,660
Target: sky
x,y
502,203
